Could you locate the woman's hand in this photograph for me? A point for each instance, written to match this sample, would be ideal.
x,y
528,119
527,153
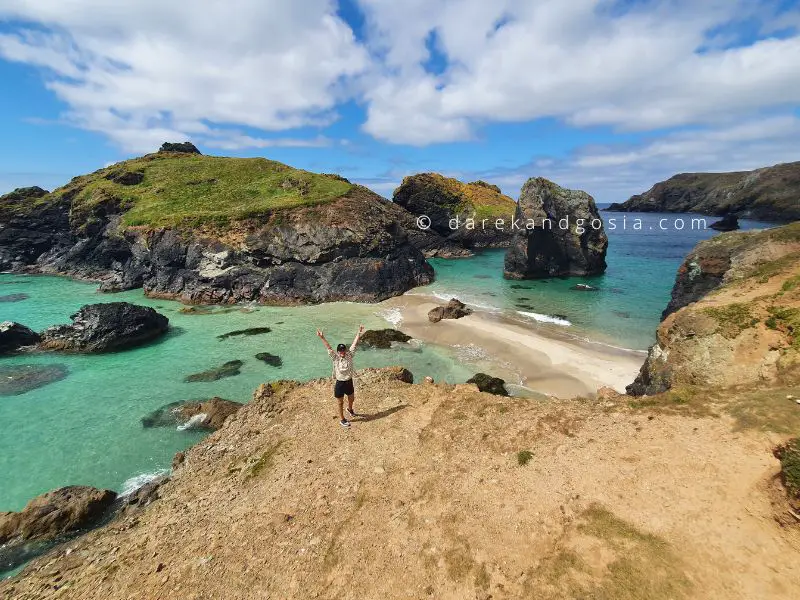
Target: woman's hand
x,y
320,334
360,329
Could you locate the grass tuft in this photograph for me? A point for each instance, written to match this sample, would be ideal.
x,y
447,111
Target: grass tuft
x,y
524,457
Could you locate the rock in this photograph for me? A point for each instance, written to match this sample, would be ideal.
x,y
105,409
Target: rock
x,y
487,383
14,297
729,222
381,374
607,393
143,495
178,414
240,332
583,287
448,203
428,379
56,513
24,194
18,379
178,460
14,336
383,338
106,328
126,177
561,234
183,147
229,369
769,193
272,360
454,309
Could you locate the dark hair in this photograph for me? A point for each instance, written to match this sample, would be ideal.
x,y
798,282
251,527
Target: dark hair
x,y
341,348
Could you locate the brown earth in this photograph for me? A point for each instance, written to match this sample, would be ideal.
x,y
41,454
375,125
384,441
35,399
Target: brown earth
x,y
441,491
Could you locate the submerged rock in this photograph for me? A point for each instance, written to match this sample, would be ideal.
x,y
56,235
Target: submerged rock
x,y
566,238
229,369
383,338
14,336
272,360
454,309
14,297
487,383
106,328
584,287
214,411
249,331
18,379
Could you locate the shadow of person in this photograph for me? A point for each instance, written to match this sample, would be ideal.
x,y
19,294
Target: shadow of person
x,y
383,413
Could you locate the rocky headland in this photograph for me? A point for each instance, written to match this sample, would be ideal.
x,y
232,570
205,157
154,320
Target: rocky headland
x,y
769,194
203,229
560,233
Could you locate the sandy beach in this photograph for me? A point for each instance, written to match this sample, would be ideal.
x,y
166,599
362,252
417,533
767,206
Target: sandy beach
x,y
540,360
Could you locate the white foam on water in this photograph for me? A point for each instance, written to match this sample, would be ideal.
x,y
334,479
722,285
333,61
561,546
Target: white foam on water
x,y
546,318
137,481
447,296
392,315
193,422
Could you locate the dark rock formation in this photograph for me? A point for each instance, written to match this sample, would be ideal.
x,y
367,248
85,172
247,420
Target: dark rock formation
x,y
487,383
729,222
55,513
18,379
184,147
141,496
14,336
14,297
383,338
244,332
175,414
448,203
229,369
769,194
272,360
24,193
560,234
106,328
454,309
126,177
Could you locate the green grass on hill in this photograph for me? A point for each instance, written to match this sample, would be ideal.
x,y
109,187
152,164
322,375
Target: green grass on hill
x,y
190,189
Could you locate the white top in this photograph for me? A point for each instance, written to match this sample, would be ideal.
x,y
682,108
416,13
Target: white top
x,y
342,365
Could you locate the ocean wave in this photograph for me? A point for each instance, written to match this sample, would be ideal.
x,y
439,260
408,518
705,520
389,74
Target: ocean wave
x,y
137,481
546,318
392,315
193,423
447,296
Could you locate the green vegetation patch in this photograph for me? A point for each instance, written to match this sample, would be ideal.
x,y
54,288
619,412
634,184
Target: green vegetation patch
x,y
789,455
524,457
787,321
264,462
167,190
732,319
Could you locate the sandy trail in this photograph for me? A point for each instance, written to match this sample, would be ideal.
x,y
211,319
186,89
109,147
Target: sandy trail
x,y
541,361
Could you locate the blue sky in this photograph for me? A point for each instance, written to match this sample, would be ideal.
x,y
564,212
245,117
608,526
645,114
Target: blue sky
x,y
602,95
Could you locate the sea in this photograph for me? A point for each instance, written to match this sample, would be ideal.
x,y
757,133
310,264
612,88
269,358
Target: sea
x,y
86,426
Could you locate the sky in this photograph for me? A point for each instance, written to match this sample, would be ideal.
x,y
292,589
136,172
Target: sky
x,y
608,96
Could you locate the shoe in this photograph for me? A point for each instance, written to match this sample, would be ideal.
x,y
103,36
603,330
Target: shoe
x,y
352,414
344,423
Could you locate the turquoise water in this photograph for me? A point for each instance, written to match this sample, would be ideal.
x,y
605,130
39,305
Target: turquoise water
x,y
85,429
625,310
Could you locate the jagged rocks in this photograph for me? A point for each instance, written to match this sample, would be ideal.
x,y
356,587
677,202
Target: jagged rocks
x,y
204,414
106,327
383,338
489,384
14,336
18,379
560,233
454,309
183,147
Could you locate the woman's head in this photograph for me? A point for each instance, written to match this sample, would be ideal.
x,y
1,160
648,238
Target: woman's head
x,y
341,348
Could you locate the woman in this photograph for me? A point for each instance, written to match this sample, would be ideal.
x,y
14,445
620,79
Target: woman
x,y
343,374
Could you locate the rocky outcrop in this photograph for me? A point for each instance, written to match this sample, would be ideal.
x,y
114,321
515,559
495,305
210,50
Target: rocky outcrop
x,y
559,233
106,327
727,223
454,309
489,384
56,513
213,411
229,369
734,317
383,338
447,206
327,241
769,194
183,147
14,336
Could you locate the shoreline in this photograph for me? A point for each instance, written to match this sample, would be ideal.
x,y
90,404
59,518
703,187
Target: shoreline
x,y
545,363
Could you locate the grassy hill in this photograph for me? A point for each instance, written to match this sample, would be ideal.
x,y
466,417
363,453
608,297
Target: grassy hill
x,y
168,189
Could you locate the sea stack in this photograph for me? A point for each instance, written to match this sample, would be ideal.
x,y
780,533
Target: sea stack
x,y
558,232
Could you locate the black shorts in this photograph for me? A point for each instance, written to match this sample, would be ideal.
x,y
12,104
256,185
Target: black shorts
x,y
343,388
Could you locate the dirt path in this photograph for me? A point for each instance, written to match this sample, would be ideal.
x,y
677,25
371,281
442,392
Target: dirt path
x,y
427,498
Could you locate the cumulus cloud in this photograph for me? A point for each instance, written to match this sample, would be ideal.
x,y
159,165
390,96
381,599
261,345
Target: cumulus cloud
x,y
141,71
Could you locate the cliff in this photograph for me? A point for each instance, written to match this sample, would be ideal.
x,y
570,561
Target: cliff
x,y
442,491
734,316
770,194
206,229
448,203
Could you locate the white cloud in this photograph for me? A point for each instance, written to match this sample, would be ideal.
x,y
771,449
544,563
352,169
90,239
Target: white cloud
x,y
142,71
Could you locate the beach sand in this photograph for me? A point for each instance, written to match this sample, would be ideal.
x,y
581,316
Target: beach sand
x,y
534,357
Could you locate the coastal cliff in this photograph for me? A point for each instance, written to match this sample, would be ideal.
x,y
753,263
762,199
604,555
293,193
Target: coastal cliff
x,y
448,203
770,194
734,316
205,229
